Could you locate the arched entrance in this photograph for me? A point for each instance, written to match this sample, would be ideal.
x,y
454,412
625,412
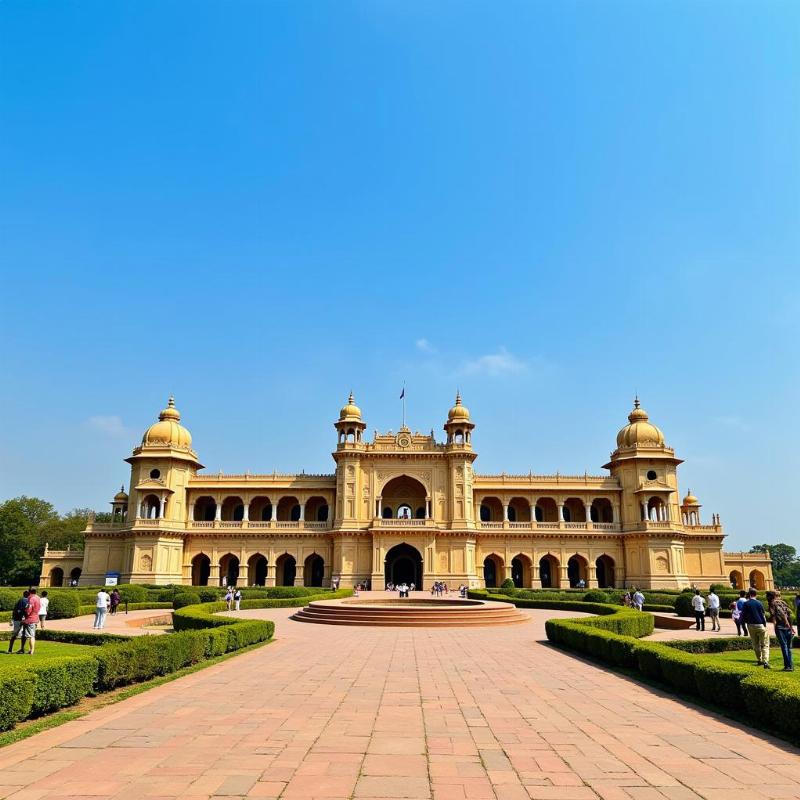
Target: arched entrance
x,y
604,569
229,569
285,570
201,569
549,572
75,575
404,565
736,579
405,496
257,570
56,576
577,571
757,580
313,570
521,571
492,571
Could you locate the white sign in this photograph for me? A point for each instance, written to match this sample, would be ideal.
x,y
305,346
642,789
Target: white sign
x,y
111,581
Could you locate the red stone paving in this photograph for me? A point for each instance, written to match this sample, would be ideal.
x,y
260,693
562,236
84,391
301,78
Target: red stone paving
x,y
327,713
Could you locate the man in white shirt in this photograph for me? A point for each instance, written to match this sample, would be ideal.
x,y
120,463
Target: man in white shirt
x,y
638,600
44,602
101,607
713,610
699,606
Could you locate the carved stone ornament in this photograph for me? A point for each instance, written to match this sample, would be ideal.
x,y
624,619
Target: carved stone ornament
x,y
403,440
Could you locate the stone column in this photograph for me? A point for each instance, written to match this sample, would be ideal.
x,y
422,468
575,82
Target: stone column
x,y
644,510
505,512
270,579
246,515
588,507
560,512
302,516
218,512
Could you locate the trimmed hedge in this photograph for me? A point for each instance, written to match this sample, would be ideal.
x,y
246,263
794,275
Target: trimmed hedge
x,y
182,599
31,689
63,605
689,667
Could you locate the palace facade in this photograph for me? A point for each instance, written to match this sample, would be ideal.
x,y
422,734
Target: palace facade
x,y
406,507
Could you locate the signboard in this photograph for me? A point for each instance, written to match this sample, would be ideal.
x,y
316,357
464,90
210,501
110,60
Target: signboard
x,y
112,578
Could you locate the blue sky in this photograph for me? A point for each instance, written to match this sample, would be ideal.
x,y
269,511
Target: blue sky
x,y
258,206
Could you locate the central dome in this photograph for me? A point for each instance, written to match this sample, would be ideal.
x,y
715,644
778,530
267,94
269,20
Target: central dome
x,y
639,429
168,430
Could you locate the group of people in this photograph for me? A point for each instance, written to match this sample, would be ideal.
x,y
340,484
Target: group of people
x,y
104,604
28,612
634,599
233,597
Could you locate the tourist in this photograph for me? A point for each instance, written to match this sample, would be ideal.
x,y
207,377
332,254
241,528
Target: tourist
x,y
237,599
626,600
17,616
782,619
699,606
638,600
756,620
355,590
713,610
115,600
228,598
740,605
736,616
101,608
44,602
797,608
29,622
412,586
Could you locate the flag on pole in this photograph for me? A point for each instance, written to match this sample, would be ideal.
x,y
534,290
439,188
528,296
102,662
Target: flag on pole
x,y
403,393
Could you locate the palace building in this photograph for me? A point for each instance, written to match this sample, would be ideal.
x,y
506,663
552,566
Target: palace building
x,y
406,507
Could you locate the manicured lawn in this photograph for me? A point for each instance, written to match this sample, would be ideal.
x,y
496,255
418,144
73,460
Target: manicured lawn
x,y
44,652
748,658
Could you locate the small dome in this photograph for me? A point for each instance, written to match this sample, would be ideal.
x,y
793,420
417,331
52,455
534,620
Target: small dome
x,y
639,429
168,430
458,411
690,500
121,495
351,410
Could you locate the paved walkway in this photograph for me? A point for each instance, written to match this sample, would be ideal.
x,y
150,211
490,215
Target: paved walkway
x,y
335,712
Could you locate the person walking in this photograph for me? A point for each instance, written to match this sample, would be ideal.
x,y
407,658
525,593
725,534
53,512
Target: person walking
x,y
29,622
17,616
101,609
115,598
228,598
740,605
736,616
782,619
237,599
44,603
638,600
756,620
699,606
713,610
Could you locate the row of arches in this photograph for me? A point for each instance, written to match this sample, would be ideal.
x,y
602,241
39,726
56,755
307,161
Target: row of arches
x,y
57,576
260,508
755,579
546,509
230,570
548,571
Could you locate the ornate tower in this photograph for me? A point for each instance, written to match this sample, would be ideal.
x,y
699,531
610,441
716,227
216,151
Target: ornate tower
x,y
160,469
350,428
459,429
653,532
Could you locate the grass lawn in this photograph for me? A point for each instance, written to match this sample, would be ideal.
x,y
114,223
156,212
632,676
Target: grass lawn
x,y
748,658
44,652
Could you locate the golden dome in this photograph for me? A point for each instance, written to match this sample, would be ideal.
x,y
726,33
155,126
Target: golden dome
x,y
639,429
168,430
458,411
121,494
690,500
351,410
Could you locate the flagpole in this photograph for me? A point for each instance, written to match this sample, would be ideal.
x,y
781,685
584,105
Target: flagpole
x,y
404,405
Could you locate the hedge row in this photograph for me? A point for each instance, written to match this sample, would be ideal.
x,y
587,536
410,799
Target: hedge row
x,y
193,617
770,698
32,689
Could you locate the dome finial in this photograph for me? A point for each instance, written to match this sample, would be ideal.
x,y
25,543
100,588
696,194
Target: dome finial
x,y
171,401
636,403
458,397
351,399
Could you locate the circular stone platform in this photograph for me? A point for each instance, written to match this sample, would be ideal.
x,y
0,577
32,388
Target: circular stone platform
x,y
411,612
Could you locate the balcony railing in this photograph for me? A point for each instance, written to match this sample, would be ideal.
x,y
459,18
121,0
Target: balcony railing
x,y
550,526
403,523
220,524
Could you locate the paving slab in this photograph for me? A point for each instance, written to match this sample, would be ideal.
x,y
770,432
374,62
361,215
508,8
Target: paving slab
x,y
341,713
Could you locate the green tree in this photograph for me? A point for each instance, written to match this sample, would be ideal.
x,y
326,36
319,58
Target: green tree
x,y
26,524
785,564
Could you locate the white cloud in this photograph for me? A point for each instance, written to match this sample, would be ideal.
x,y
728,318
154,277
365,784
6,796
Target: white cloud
x,y
500,363
733,421
108,425
425,346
